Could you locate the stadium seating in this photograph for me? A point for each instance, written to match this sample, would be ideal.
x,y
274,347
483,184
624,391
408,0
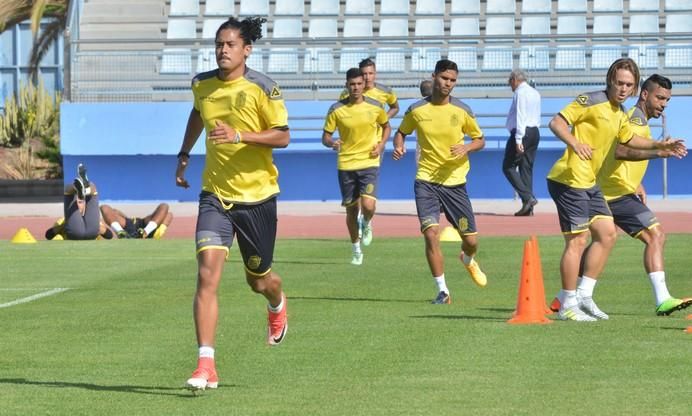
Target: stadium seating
x,y
500,6
324,7
464,31
366,7
289,8
184,8
219,8
254,8
472,7
391,59
320,59
436,7
394,7
285,59
535,6
178,60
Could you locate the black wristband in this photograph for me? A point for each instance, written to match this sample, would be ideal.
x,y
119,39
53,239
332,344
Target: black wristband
x,y
181,153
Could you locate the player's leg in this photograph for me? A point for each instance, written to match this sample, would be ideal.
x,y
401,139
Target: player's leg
x,y
115,219
367,179
72,209
152,221
214,236
458,210
573,213
350,197
256,235
428,209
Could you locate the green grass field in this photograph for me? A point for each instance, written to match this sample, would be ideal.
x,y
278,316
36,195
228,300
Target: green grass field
x,y
362,340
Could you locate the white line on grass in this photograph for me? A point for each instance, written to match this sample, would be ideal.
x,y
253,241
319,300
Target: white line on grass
x,y
34,297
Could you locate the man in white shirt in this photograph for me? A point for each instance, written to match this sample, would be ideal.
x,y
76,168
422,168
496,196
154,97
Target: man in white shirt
x,y
523,121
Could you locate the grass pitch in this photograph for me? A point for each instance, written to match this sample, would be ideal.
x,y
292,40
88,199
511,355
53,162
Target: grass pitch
x,y
361,341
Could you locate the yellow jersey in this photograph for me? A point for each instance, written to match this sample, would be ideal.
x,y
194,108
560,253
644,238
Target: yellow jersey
x,y
598,123
622,177
240,173
359,131
380,92
438,127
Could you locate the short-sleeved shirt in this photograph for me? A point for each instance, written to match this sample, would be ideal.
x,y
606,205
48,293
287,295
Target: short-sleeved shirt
x,y
598,123
358,130
622,177
380,92
240,173
438,128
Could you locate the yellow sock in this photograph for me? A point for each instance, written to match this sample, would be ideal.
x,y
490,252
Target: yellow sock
x,y
158,234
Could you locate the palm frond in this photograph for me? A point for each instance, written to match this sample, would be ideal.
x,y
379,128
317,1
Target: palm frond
x,y
45,40
37,15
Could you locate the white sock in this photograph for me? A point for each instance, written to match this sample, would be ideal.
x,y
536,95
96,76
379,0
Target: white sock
x,y
277,308
658,283
570,299
116,226
561,296
150,227
356,247
440,282
466,259
585,287
206,352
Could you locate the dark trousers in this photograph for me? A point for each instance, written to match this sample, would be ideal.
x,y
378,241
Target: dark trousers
x,y
518,167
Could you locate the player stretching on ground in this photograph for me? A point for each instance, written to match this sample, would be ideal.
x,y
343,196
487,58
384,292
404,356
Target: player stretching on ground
x,y
244,116
441,122
363,132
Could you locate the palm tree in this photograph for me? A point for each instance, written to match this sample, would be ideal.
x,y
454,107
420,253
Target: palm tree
x,y
13,12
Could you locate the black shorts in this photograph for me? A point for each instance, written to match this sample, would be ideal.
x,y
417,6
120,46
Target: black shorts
x,y
358,183
254,226
577,208
135,223
454,201
630,214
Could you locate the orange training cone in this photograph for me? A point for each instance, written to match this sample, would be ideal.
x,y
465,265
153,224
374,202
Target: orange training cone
x,y
530,302
23,236
539,274
689,330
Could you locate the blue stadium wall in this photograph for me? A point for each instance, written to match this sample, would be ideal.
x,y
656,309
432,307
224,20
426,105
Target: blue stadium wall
x,y
130,148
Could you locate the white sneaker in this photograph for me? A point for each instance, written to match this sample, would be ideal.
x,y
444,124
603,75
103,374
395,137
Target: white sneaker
x,y
357,259
366,234
573,313
589,306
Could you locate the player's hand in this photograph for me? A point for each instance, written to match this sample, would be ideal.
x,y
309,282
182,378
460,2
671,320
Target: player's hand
x,y
520,148
222,133
459,150
377,151
674,147
399,152
640,192
336,145
582,150
180,173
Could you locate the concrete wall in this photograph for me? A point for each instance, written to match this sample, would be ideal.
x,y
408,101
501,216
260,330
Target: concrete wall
x,y
130,148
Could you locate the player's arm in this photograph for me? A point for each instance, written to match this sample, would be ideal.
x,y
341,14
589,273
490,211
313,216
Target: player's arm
x,y
275,138
194,128
671,147
459,150
623,152
393,109
560,128
379,147
328,141
399,148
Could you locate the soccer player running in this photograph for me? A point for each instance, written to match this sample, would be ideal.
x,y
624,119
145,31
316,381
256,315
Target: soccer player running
x,y
363,132
598,121
620,180
244,116
385,95
441,122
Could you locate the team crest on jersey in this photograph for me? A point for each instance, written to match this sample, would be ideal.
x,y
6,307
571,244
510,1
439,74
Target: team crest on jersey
x,y
369,188
240,99
463,224
637,121
583,99
276,92
454,120
254,262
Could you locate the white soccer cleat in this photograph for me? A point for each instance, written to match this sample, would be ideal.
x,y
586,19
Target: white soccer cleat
x,y
589,306
357,259
573,313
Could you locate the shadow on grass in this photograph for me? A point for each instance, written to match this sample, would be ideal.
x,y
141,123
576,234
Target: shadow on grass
x,y
508,310
465,317
347,299
280,261
149,390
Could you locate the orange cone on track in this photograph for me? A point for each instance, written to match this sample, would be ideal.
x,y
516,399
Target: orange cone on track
x,y
539,273
531,307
